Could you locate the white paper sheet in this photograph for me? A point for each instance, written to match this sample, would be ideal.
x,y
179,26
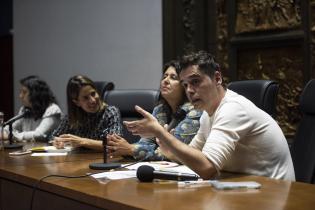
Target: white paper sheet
x,y
114,175
180,169
132,172
43,154
157,165
52,149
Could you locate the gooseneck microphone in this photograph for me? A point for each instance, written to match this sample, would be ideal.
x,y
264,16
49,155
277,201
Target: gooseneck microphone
x,y
105,165
11,145
15,118
147,173
178,116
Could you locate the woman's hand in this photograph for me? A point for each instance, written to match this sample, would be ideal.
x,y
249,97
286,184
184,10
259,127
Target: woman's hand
x,y
147,127
118,146
68,139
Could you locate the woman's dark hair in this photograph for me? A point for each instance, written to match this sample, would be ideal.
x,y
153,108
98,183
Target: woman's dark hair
x,y
76,114
40,95
176,65
173,63
204,60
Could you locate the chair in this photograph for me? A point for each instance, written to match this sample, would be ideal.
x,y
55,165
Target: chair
x,y
263,93
303,147
126,100
103,86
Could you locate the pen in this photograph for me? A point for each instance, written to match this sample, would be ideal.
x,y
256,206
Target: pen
x,y
196,183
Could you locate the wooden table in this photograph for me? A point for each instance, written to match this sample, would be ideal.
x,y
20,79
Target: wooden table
x,y
19,175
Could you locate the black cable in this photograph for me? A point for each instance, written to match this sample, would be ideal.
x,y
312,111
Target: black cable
x,y
36,186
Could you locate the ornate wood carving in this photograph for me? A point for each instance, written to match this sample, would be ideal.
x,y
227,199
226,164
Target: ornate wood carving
x,y
312,29
252,39
283,65
189,25
262,15
222,38
259,55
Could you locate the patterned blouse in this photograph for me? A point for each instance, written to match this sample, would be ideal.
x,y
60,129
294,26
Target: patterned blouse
x,y
97,126
184,131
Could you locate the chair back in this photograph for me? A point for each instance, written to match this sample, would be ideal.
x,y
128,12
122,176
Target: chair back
x,y
263,93
103,86
126,100
303,147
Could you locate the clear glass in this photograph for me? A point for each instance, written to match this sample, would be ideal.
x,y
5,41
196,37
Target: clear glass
x,y
28,145
1,118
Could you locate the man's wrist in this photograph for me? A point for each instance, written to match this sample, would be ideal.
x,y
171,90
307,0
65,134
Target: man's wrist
x,y
159,132
130,150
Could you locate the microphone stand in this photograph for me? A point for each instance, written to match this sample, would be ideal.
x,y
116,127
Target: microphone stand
x,y
104,165
11,145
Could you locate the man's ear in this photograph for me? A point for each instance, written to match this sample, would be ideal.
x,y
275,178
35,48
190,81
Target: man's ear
x,y
218,77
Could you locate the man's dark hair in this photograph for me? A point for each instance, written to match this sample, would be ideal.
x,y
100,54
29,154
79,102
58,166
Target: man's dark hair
x,y
40,95
204,60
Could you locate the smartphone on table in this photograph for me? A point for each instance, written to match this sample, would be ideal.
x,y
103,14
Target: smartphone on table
x,y
20,152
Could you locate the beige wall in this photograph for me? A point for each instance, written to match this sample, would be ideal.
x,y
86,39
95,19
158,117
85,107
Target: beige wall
x,y
116,40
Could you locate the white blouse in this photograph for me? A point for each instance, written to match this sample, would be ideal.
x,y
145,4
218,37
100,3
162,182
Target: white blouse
x,y
40,129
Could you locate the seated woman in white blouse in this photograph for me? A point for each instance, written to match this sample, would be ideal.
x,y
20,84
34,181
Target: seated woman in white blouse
x,y
44,115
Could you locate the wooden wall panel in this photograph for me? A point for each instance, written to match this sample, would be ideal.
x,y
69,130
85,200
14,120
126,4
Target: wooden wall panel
x,y
265,15
287,71
256,39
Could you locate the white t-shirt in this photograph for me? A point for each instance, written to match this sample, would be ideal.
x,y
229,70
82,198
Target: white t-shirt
x,y
240,137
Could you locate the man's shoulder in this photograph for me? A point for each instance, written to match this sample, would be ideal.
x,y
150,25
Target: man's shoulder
x,y
233,100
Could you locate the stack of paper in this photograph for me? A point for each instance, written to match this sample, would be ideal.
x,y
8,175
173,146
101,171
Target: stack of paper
x,y
157,165
50,151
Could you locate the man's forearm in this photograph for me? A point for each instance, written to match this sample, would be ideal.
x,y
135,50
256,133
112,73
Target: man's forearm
x,y
187,155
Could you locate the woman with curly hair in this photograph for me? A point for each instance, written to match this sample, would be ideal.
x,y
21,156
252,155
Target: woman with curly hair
x,y
43,113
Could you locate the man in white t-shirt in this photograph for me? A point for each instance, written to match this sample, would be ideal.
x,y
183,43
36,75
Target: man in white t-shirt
x,y
234,134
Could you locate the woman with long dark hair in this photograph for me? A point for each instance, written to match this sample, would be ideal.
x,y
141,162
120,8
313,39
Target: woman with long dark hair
x,y
173,109
89,118
43,113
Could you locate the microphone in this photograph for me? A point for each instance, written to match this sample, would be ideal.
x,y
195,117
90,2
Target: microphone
x,y
11,145
147,173
105,165
26,112
178,116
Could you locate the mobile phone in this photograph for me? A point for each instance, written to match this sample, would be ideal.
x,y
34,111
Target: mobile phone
x,y
236,185
20,152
